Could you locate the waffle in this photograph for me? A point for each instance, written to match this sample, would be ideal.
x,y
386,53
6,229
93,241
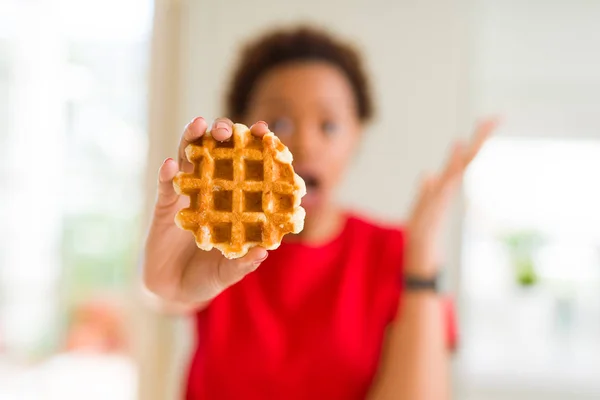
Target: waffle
x,y
243,193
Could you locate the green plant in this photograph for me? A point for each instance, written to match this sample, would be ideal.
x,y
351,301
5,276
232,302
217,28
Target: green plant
x,y
521,246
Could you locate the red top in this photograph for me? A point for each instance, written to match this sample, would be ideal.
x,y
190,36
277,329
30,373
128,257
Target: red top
x,y
307,324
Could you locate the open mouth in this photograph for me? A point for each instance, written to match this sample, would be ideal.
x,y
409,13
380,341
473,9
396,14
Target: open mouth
x,y
311,182
313,188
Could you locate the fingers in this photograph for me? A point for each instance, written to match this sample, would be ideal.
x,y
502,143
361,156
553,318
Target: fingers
x,y
232,271
482,132
259,129
437,191
192,132
427,186
221,129
166,173
454,166
462,155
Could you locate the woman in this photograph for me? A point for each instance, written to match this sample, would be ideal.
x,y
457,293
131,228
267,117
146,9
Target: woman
x,y
343,310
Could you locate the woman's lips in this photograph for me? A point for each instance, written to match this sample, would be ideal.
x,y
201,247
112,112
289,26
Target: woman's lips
x,y
312,190
310,199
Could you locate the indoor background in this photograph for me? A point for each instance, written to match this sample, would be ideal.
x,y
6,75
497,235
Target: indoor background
x,y
94,95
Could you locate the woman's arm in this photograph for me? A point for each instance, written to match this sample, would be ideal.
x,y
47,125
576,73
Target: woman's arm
x,y
414,363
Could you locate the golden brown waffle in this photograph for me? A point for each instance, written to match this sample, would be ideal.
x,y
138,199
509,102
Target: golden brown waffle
x,y
243,193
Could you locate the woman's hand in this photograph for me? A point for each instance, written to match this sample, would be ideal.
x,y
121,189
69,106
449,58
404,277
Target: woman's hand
x,y
436,191
174,268
414,364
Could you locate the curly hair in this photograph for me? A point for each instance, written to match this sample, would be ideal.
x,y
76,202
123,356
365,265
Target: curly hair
x,y
300,44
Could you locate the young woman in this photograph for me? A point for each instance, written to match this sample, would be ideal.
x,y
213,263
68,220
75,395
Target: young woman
x,y
342,310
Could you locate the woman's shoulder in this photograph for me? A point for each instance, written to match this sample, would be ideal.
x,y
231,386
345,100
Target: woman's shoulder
x,y
381,242
379,230
385,226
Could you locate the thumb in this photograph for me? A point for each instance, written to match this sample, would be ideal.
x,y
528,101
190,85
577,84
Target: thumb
x,y
166,193
232,271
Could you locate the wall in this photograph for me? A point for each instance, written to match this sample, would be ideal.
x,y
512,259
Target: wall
x,y
413,50
538,63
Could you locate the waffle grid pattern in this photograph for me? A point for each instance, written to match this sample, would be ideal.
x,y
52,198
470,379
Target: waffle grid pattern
x,y
243,193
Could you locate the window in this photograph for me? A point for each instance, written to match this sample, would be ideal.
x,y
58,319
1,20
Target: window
x,y
72,154
531,264
530,274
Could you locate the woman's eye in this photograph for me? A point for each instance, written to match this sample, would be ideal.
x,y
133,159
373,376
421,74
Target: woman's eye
x,y
281,126
329,127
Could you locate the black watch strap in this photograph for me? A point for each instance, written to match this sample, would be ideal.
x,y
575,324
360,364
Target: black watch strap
x,y
420,284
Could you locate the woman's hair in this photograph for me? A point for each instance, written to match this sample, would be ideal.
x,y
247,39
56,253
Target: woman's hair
x,y
285,46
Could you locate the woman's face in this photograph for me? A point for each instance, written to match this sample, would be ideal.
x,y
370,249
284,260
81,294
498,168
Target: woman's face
x,y
311,107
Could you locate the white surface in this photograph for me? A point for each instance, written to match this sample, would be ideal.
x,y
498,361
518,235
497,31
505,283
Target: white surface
x,y
70,377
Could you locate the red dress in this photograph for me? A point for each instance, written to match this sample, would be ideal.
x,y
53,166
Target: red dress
x,y
307,324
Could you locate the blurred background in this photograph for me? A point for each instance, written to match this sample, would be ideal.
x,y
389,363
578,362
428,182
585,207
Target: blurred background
x,y
94,95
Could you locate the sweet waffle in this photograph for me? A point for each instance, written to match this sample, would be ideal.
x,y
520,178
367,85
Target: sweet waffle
x,y
243,193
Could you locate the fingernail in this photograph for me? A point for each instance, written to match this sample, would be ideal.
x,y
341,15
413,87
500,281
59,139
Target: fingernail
x,y
196,119
222,125
264,123
167,159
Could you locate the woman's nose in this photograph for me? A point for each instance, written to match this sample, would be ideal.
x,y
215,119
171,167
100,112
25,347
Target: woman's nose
x,y
305,144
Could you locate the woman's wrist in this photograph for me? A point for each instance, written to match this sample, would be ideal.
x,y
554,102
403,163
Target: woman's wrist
x,y
421,261
419,283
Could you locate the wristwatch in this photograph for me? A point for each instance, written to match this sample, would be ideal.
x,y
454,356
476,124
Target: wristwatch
x,y
417,283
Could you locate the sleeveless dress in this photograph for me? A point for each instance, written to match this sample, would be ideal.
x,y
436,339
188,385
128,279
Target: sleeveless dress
x,y
309,323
